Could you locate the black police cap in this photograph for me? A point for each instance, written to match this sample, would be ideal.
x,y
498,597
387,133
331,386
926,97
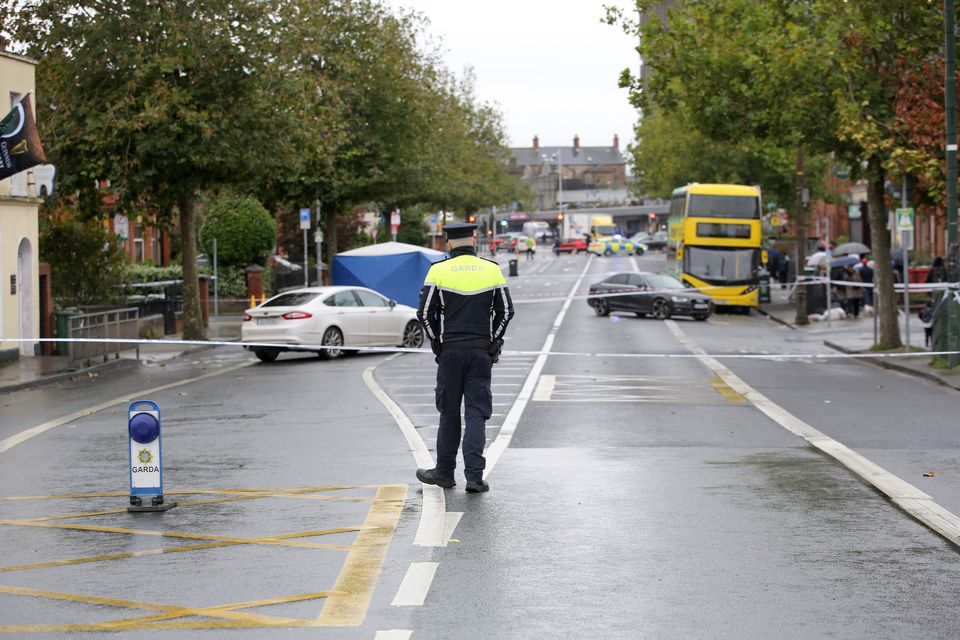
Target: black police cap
x,y
459,230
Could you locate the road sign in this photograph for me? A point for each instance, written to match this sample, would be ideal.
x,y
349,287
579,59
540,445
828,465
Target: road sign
x,y
121,226
775,221
905,219
305,218
146,468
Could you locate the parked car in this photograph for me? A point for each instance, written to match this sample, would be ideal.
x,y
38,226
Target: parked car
x,y
655,241
333,316
575,245
654,294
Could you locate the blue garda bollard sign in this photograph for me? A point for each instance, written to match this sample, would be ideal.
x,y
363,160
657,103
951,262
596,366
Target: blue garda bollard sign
x,y
146,458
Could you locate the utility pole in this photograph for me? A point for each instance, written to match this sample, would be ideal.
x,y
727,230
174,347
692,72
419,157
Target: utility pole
x,y
952,319
801,316
318,238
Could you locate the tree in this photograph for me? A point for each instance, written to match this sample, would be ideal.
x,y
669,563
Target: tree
x,y
670,151
161,99
384,122
86,260
244,231
870,38
813,75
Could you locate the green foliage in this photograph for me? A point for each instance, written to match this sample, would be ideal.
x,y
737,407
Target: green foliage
x,y
245,231
86,260
233,281
413,229
670,151
140,273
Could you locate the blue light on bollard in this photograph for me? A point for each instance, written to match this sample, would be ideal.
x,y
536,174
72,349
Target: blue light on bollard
x,y
146,457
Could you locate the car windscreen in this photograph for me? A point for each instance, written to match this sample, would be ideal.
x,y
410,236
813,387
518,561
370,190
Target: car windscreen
x,y
721,266
605,229
708,206
660,281
291,299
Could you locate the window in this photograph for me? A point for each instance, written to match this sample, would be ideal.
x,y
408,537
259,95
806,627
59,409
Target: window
x,y
722,230
371,299
635,280
660,281
291,299
620,278
342,299
722,266
138,250
707,206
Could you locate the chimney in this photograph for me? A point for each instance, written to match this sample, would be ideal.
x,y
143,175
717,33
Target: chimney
x,y
616,142
536,143
576,143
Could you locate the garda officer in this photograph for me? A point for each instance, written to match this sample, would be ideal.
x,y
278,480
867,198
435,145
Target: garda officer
x,y
464,308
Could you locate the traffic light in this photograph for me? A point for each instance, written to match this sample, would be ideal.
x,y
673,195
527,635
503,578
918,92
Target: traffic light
x,y
472,218
503,223
560,216
653,217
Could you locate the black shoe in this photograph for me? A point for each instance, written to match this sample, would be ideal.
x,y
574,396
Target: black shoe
x,y
432,476
477,486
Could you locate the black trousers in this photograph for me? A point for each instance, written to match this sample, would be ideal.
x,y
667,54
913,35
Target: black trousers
x,y
463,375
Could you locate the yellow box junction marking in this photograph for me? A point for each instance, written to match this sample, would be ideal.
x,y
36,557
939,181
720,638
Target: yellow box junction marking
x,y
345,605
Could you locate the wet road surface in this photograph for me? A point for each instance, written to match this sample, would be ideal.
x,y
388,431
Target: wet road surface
x,y
638,497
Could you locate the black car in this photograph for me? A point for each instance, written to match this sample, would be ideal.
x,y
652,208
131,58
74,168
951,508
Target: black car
x,y
658,295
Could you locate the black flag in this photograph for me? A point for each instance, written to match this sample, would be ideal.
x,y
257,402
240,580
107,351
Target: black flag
x,y
19,142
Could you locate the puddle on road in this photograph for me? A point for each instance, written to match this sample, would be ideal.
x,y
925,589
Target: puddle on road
x,y
789,481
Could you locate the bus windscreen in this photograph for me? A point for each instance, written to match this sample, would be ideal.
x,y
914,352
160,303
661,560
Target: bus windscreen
x,y
710,206
722,266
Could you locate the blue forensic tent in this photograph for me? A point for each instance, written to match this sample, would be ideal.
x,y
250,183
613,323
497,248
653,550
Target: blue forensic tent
x,y
394,269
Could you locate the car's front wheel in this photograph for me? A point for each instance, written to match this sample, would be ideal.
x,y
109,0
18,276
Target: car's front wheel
x,y
601,307
701,317
333,339
266,355
608,252
661,309
412,335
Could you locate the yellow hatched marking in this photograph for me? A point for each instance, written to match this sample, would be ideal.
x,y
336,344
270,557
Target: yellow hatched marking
x,y
192,547
361,569
180,611
726,390
351,595
270,540
185,492
134,622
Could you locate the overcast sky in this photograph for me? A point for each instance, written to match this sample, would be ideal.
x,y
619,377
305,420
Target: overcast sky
x,y
550,65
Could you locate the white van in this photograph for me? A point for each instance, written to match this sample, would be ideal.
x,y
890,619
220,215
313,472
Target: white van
x,y
539,230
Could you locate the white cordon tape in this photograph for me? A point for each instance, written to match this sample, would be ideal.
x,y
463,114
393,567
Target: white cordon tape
x,y
575,354
915,288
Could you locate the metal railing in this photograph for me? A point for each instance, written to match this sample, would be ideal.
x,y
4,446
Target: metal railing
x,y
115,323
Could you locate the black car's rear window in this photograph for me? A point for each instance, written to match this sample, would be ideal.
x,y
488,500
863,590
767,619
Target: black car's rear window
x,y
291,299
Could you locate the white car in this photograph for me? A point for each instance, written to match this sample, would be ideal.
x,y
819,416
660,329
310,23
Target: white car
x,y
329,316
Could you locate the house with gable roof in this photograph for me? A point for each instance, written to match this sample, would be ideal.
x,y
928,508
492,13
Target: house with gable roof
x,y
576,175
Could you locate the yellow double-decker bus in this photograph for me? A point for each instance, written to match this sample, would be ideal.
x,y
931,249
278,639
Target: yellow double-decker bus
x,y
714,241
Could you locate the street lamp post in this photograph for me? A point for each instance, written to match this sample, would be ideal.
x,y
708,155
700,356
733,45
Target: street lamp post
x,y
558,156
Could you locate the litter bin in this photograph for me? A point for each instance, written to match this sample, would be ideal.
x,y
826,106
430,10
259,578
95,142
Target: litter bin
x,y
513,268
764,288
62,328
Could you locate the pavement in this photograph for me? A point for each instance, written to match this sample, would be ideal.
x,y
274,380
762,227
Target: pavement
x,y
856,335
29,372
